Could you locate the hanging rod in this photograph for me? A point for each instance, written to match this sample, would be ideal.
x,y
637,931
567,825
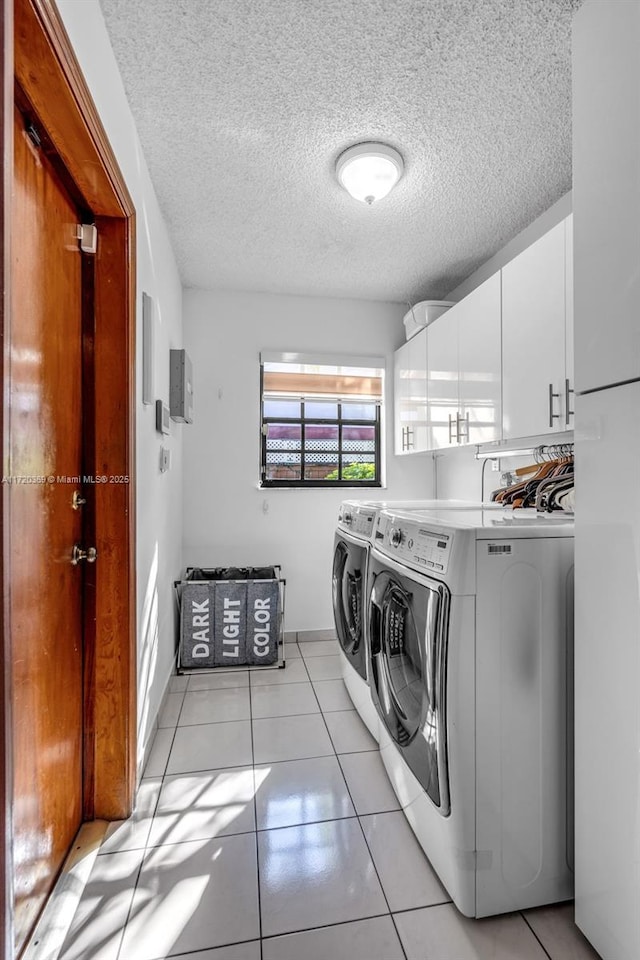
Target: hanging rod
x,y
540,452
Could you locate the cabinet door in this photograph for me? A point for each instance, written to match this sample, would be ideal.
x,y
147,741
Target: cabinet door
x,y
606,192
401,415
410,395
418,437
569,398
479,361
533,330
442,381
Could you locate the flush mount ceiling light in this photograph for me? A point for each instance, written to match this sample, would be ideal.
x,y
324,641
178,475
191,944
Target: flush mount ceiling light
x,y
368,171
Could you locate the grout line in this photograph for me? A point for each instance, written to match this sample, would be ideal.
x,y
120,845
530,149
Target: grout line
x,y
317,700
395,927
225,689
335,923
307,823
375,866
184,695
130,910
212,723
535,935
255,819
441,903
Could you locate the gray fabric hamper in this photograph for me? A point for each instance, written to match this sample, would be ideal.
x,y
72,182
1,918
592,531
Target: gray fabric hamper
x,y
229,616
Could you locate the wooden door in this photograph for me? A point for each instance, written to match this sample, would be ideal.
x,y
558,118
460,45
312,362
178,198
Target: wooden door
x,y
33,40
45,466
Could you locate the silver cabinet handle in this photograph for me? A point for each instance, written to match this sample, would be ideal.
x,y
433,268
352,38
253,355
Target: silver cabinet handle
x,y
451,429
407,438
568,412
552,416
462,427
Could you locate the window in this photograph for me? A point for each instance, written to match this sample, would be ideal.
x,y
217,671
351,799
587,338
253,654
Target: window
x,y
320,421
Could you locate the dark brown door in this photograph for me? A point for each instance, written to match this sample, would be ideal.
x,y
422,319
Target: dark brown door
x,y
45,465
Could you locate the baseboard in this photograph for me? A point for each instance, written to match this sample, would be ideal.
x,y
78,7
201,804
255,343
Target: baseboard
x,y
153,726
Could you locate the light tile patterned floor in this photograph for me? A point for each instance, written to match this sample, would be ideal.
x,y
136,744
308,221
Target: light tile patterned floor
x,y
266,829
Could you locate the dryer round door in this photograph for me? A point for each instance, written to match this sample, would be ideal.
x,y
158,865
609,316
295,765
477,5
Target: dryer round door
x,y
408,673
349,575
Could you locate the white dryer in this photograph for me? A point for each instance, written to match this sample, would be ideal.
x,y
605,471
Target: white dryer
x,y
470,632
353,538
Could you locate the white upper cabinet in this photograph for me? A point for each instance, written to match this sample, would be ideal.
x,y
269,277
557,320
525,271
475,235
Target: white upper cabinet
x,y
410,395
498,364
463,386
536,381
606,193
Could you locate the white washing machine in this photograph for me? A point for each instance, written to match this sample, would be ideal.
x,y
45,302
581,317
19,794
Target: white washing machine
x,y
470,633
353,538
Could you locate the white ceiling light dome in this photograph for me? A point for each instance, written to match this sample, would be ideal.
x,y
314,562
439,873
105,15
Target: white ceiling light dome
x,y
368,171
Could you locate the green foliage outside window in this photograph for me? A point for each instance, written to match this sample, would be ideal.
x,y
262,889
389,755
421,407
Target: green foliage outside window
x,y
355,471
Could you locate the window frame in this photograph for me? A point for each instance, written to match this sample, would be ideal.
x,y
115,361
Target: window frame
x,y
339,422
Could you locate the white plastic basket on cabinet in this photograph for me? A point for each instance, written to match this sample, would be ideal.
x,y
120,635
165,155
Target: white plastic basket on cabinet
x,y
422,314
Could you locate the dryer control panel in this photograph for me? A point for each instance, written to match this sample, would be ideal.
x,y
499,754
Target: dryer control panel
x,y
358,519
419,544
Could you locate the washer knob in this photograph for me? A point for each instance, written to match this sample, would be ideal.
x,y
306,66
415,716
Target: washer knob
x,y
395,537
347,518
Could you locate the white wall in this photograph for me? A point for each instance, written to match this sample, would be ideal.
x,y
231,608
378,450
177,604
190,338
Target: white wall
x,y
227,518
158,496
458,473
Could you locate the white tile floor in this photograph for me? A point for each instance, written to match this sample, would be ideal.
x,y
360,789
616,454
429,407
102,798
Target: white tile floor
x,y
266,829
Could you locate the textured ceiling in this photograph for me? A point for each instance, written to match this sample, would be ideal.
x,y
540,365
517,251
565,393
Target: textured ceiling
x,y
243,106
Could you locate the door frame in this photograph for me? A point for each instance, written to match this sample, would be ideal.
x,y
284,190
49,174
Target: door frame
x,y
36,51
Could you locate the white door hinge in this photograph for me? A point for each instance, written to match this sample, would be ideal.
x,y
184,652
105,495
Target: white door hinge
x,y
87,234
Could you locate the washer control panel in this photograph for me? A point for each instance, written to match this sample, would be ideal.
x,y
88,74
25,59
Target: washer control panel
x,y
419,544
363,518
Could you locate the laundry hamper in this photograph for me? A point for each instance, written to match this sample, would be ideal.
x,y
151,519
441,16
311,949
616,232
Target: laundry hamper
x,y
231,617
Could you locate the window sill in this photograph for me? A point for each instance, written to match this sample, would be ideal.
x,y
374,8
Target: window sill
x,y
321,486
